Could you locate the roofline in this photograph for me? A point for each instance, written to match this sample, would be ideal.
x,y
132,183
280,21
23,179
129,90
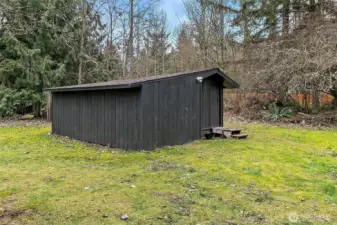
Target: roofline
x,y
231,84
94,88
228,82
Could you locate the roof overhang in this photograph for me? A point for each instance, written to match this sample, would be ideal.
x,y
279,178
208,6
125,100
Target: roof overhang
x,y
228,83
137,83
93,88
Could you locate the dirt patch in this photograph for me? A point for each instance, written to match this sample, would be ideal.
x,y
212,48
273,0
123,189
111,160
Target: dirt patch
x,y
254,217
323,121
327,119
182,204
12,214
6,122
162,165
8,213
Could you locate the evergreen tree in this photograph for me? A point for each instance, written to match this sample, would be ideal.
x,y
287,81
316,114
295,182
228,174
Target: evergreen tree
x,y
40,47
157,46
25,62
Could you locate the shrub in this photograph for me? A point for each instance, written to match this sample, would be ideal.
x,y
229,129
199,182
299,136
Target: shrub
x,y
275,113
18,101
328,106
245,104
291,103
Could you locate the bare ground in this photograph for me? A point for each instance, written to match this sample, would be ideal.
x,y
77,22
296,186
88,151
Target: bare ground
x,y
322,121
7,122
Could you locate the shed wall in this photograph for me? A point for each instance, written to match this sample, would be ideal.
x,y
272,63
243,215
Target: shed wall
x,y
104,117
212,103
163,112
173,110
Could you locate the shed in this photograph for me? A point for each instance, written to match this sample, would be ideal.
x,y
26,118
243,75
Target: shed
x,y
143,113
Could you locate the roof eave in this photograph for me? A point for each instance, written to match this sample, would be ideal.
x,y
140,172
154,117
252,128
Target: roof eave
x,y
227,85
228,82
94,88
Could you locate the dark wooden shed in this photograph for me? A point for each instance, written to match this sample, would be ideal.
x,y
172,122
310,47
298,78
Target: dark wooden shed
x,y
142,113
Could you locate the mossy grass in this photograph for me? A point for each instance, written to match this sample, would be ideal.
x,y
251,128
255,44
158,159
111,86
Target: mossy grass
x,y
276,176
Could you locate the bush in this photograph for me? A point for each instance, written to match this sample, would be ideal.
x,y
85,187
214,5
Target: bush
x,y
291,103
18,101
8,102
245,104
328,106
275,113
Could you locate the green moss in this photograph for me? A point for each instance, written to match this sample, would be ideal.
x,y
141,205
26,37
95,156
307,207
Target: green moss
x,y
253,171
274,173
329,189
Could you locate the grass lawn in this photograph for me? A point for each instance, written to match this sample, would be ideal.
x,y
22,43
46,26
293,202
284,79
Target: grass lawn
x,y
277,176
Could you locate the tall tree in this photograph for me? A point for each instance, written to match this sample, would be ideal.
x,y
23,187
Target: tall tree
x,y
157,44
84,9
285,17
186,51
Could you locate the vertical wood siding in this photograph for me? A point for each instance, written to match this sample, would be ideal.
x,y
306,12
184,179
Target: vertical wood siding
x,y
103,117
161,113
170,112
212,105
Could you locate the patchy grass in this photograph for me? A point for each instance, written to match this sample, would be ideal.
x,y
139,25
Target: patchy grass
x,y
277,176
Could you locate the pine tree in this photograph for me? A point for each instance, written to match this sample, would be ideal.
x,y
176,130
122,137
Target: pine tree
x,y
186,51
25,62
40,45
157,45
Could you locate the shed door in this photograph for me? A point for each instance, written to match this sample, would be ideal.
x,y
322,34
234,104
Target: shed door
x,y
211,111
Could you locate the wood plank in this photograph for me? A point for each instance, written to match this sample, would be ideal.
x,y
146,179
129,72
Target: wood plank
x,y
239,136
225,129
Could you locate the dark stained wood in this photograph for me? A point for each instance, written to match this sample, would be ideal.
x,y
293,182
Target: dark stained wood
x,y
157,113
133,83
211,103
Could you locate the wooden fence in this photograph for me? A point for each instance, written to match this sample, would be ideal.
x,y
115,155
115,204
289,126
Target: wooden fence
x,y
300,98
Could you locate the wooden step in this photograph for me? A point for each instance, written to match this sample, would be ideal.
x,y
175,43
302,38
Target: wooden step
x,y
239,136
223,130
236,131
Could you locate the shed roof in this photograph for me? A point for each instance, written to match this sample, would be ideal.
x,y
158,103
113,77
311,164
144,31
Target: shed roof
x,y
132,83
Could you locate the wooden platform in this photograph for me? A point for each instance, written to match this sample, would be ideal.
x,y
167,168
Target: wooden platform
x,y
223,132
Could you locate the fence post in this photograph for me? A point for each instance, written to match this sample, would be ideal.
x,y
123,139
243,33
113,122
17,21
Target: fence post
x,y
48,106
315,101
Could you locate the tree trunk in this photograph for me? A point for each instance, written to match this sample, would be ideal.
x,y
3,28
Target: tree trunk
x,y
246,38
129,47
49,106
297,14
273,21
315,101
286,14
203,31
83,32
222,29
163,61
305,105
